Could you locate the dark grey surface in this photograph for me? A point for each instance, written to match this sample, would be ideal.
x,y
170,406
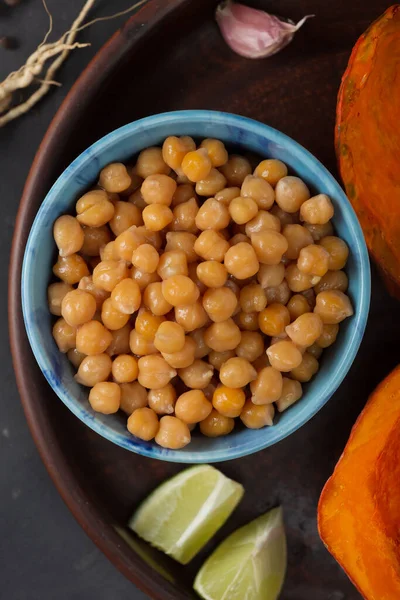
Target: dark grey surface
x,y
44,554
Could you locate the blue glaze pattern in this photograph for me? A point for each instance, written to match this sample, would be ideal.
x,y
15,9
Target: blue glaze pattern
x,y
120,145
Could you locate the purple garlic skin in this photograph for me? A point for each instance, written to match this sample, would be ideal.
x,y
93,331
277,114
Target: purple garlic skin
x,y
254,33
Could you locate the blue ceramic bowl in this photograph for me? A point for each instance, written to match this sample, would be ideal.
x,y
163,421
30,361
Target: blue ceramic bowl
x,y
120,145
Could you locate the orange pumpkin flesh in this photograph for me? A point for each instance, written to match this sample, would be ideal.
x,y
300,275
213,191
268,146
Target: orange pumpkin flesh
x,y
367,137
359,508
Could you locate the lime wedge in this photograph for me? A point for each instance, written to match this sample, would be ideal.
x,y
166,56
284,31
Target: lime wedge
x,y
183,513
249,565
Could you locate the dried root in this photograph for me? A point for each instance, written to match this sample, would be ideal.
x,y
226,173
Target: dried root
x,y
31,72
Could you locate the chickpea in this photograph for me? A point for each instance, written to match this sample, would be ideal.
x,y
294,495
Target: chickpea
x,y
291,392
105,397
68,235
212,184
154,300
315,350
147,324
179,290
192,407
333,280
115,178
143,423
183,193
272,170
154,371
273,319
196,165
125,244
237,373
140,345
172,263
239,237
269,246
257,416
182,241
216,151
212,273
281,293
162,401
222,336
251,346
318,210
201,347
227,194
298,237
299,281
145,258
133,396
338,252
247,321
191,316
126,297
216,425
219,303
241,261
170,337
125,216
174,150
75,357
285,218
70,269
150,237
328,335
157,216
94,369
252,298
259,190
297,306
94,209
107,252
290,193
56,292
305,330
158,189
150,162
137,199
306,370
271,275
144,279
212,215
243,209
333,306
78,307
263,221
217,359
197,375
210,245
120,341
108,273
236,170
183,358
92,338
125,368
267,387
95,238
184,217
64,335
173,433
319,231
313,260
228,401
284,356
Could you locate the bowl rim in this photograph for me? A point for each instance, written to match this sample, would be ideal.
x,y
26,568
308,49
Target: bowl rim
x,y
358,321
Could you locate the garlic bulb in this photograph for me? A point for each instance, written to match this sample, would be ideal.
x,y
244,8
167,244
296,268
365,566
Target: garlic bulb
x,y
254,33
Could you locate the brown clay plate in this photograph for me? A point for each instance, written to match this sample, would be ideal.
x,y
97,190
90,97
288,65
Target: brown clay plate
x,y
170,56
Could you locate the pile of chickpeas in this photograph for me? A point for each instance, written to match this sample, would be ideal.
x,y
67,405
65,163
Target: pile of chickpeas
x,y
194,287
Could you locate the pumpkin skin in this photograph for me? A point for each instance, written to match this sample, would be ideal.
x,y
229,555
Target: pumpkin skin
x,y
359,508
367,139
